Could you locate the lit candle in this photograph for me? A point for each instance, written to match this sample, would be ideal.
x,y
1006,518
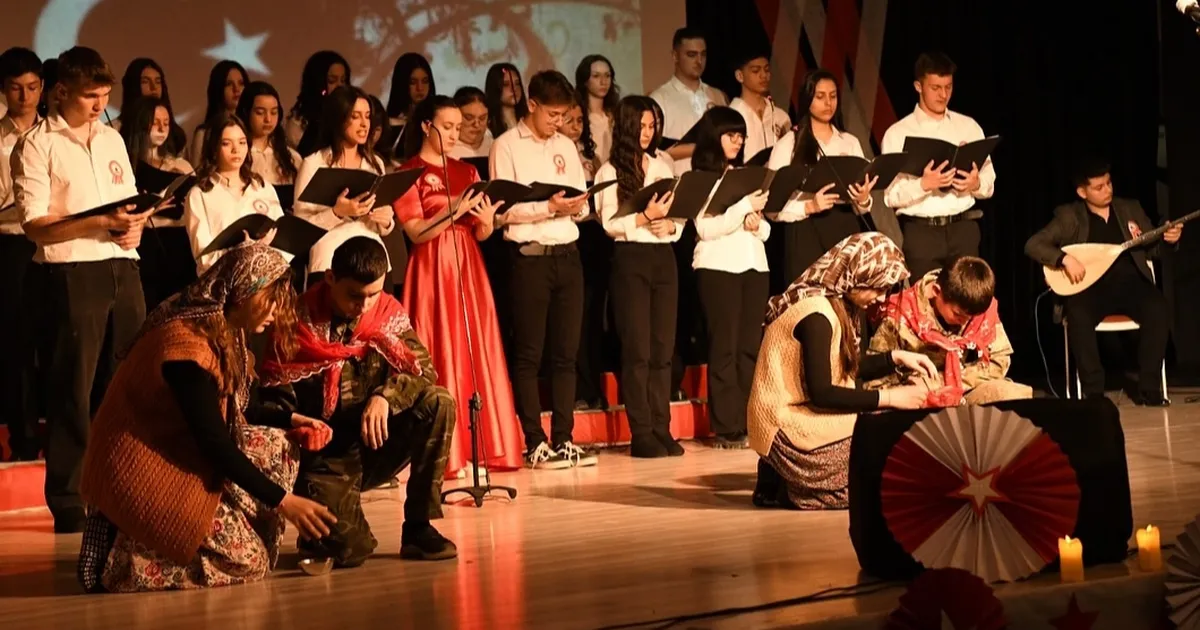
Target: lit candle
x,y
1070,559
1149,551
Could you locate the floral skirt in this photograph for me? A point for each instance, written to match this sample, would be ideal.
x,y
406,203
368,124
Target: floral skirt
x,y
242,544
816,480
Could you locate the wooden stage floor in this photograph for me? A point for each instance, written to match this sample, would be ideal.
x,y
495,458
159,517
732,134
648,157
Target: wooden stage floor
x,y
625,542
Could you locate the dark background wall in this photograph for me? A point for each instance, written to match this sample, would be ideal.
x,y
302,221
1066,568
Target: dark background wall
x,y
1054,85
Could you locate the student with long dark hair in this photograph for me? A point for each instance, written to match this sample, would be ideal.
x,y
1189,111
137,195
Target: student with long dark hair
x,y
412,82
474,137
644,281
226,190
270,156
225,84
144,77
506,101
595,85
343,142
324,71
431,290
167,264
812,224
731,275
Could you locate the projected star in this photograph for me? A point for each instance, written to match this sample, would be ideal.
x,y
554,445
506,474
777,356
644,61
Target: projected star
x,y
979,489
241,49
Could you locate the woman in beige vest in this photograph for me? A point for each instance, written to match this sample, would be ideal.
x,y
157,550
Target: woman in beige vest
x,y
804,400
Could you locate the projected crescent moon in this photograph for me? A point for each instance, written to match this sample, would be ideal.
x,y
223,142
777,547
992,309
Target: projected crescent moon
x,y
58,28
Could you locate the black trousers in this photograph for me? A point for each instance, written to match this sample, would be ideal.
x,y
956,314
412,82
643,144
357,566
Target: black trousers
x,y
1140,301
928,247
167,265
338,475
645,290
806,241
595,252
93,311
547,303
734,307
18,318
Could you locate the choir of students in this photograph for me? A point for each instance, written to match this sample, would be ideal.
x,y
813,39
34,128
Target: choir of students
x,y
246,152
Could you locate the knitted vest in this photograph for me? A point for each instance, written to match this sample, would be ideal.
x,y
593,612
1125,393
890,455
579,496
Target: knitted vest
x,y
778,401
143,469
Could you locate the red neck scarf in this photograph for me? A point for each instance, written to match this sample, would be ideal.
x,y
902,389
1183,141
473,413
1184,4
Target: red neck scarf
x,y
380,329
979,333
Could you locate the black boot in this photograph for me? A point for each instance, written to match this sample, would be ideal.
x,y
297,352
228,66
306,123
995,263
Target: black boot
x,y
766,489
647,446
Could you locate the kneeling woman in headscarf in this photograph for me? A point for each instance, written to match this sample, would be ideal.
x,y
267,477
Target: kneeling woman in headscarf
x,y
187,486
805,399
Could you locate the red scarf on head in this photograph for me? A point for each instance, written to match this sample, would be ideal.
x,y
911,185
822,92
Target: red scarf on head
x,y
979,333
380,329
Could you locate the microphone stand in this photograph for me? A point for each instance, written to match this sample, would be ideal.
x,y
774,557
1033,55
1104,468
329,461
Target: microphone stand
x,y
476,490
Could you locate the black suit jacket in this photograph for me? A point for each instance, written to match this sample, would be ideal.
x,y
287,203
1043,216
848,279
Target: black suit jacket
x,y
1070,226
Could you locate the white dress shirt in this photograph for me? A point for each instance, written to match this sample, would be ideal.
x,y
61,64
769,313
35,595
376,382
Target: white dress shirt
x,y
57,175
840,143
195,150
323,216
905,194
725,245
625,229
601,127
761,132
207,214
264,164
10,221
463,150
683,107
520,156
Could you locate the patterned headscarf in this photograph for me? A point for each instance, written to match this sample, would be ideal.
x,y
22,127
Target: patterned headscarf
x,y
868,260
239,274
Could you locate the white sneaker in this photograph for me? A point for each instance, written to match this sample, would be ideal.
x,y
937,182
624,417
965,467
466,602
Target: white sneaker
x,y
543,458
578,456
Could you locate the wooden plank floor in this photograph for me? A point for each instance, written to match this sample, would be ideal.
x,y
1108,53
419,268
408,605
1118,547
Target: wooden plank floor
x,y
627,541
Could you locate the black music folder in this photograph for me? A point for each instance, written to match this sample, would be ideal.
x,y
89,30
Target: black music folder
x,y
287,196
736,184
761,158
388,139
502,191
689,137
481,166
924,150
142,202
293,235
328,183
640,200
786,181
844,170
544,192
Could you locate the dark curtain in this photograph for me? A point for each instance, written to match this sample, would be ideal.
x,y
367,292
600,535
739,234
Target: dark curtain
x,y
1055,84
1181,110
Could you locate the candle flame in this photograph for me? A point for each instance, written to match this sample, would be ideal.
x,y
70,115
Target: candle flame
x,y
1149,527
1068,539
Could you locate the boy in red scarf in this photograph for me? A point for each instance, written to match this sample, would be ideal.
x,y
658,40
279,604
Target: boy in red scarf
x,y
361,368
950,315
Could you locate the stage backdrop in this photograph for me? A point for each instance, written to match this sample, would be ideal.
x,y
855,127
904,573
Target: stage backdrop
x,y
272,38
1053,83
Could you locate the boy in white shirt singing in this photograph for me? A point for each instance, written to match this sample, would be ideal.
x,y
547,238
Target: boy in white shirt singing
x,y
765,123
547,277
66,164
21,81
685,97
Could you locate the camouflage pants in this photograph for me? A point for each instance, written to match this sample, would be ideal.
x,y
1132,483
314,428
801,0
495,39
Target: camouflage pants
x,y
337,475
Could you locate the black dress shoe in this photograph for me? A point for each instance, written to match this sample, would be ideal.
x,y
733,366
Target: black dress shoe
x,y
647,447
423,542
1152,399
674,449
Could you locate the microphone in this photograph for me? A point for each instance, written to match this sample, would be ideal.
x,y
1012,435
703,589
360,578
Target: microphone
x,y
1190,8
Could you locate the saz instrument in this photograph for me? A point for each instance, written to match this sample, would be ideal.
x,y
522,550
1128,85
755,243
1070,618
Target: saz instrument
x,y
1096,258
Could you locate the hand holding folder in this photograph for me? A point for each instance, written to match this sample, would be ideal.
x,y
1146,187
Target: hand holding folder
x,y
958,157
736,184
141,202
843,171
150,179
330,183
689,193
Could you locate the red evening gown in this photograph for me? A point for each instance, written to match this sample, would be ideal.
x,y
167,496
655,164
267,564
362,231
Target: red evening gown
x,y
432,297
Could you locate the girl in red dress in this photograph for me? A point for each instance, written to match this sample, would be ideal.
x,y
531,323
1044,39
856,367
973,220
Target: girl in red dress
x,y
435,298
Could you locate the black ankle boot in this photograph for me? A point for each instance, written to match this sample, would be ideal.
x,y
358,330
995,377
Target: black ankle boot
x,y
767,487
